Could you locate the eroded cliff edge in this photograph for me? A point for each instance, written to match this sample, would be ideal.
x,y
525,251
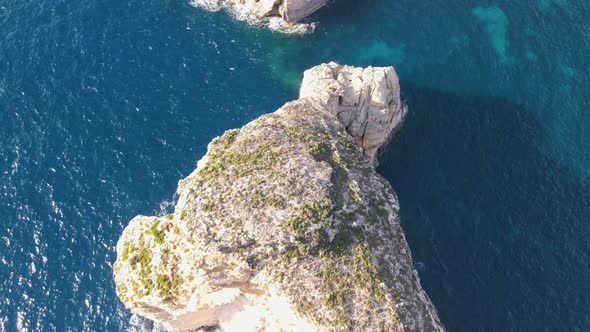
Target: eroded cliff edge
x,y
285,224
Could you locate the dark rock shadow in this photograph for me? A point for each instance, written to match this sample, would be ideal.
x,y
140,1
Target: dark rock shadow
x,y
499,229
342,11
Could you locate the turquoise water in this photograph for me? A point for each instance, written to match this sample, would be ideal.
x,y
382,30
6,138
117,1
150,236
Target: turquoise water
x,y
105,105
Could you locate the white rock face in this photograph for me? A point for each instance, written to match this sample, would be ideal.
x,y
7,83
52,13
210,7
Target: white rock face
x,y
366,100
285,224
280,15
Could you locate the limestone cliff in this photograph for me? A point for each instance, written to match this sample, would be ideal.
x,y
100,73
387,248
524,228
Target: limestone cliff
x,y
366,101
285,225
281,15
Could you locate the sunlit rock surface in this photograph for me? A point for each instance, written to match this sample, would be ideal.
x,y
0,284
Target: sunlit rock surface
x,y
366,101
285,225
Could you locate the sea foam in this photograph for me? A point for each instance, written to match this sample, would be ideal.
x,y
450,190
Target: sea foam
x,y
245,12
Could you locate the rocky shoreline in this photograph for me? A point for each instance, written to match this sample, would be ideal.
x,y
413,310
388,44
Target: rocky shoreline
x,y
285,224
279,15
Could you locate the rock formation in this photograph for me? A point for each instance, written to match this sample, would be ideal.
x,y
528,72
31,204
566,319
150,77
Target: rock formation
x,y
282,15
285,225
295,10
366,101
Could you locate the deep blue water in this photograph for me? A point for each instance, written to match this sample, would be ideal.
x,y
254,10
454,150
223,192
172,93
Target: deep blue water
x,y
105,105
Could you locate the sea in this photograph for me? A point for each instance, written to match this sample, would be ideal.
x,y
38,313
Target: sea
x,y
106,104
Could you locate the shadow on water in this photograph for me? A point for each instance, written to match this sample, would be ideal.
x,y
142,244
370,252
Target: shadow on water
x,y
343,11
498,230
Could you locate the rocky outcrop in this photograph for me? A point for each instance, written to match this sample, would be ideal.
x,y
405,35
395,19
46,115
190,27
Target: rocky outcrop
x,y
284,225
366,101
282,15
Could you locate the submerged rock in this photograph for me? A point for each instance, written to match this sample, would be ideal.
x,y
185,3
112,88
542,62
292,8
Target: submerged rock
x,y
285,225
282,15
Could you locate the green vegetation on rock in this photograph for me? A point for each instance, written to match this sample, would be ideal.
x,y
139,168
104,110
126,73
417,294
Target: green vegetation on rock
x,y
366,273
163,285
287,201
158,234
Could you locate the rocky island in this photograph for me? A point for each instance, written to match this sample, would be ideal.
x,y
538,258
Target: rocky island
x,y
285,224
281,15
